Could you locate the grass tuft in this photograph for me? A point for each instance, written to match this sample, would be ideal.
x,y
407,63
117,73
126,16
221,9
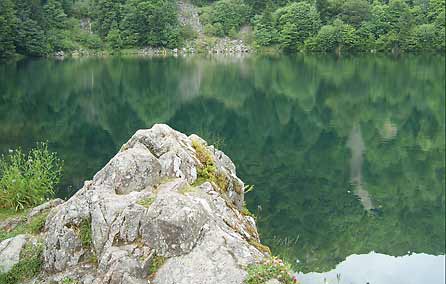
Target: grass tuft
x,y
85,233
208,170
260,247
156,263
271,268
147,202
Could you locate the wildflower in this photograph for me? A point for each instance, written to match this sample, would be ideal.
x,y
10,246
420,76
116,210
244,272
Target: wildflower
x,y
295,279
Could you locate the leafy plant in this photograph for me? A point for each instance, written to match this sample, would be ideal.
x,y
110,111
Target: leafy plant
x,y
271,268
28,180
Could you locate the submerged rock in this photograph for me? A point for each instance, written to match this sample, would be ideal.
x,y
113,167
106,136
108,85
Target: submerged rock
x,y
165,209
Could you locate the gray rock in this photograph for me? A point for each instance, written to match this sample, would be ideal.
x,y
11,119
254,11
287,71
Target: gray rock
x,y
219,258
131,170
10,223
10,252
143,205
45,206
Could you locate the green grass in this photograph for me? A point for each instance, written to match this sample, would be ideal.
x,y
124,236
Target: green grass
x,y
268,269
6,213
29,266
33,226
208,170
147,202
156,263
85,233
86,236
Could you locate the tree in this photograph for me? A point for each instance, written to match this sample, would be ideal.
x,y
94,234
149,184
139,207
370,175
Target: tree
x,y
30,37
226,15
334,38
295,23
8,23
106,12
150,23
436,7
264,30
55,24
55,17
422,37
354,12
113,38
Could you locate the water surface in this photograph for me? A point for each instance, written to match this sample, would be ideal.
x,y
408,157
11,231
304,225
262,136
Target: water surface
x,y
347,155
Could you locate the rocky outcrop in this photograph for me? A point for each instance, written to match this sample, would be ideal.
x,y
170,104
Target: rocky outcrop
x,y
188,16
165,209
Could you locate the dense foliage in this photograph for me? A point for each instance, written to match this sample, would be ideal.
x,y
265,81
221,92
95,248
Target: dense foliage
x,y
38,28
355,25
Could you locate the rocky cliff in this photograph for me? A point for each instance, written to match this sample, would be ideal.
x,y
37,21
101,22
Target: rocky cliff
x,y
166,209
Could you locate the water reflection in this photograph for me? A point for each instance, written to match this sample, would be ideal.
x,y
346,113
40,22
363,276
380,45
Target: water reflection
x,y
357,148
376,268
301,129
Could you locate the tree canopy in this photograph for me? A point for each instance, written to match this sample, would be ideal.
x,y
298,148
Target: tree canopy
x,y
38,28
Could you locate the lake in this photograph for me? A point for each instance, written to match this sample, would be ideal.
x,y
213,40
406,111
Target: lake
x,y
346,155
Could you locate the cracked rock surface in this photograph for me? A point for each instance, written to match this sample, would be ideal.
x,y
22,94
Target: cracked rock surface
x,y
149,203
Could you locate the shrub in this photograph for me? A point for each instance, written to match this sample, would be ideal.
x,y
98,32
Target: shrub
x,y
28,180
295,23
335,37
225,16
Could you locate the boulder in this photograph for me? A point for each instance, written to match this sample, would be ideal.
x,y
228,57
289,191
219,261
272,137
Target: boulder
x,y
151,215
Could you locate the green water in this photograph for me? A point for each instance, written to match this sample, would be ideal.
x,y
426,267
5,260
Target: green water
x,y
347,156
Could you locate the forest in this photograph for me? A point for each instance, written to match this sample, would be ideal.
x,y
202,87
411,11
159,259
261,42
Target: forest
x,y
42,27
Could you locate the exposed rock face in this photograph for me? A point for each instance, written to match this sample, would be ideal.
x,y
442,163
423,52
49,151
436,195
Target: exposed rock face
x,y
10,252
148,204
188,16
